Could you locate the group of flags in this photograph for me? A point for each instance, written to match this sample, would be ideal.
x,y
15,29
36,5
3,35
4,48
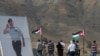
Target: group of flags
x,y
76,36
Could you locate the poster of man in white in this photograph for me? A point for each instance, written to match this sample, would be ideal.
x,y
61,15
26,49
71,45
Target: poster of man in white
x,y
14,36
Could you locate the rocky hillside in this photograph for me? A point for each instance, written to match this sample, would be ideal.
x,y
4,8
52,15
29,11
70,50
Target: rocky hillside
x,y
58,18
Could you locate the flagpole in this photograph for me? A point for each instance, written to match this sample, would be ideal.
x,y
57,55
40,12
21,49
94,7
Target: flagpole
x,y
41,34
83,26
83,45
42,38
84,42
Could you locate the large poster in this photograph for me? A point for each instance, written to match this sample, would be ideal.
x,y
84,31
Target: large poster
x,y
14,36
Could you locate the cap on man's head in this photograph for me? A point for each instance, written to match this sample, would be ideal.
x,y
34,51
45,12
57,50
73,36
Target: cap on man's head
x,y
9,20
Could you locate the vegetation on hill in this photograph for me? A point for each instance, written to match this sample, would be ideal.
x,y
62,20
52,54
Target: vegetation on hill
x,y
58,18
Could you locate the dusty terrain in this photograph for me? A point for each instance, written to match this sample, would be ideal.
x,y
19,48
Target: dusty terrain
x,y
58,18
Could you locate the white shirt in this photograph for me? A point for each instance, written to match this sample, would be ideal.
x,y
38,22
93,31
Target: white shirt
x,y
71,47
15,33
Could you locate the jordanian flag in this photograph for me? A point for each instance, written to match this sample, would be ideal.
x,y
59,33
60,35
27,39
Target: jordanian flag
x,y
77,35
37,31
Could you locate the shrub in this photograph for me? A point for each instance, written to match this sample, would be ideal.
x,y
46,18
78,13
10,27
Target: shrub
x,y
45,40
88,44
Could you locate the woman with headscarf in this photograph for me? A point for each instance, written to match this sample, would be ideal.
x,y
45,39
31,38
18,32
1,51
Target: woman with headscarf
x,y
59,49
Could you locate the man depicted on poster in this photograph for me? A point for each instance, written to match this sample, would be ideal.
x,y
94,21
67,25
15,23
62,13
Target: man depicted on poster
x,y
16,35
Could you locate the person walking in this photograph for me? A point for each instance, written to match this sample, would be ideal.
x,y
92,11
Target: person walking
x,y
59,49
71,48
77,53
39,48
51,48
94,48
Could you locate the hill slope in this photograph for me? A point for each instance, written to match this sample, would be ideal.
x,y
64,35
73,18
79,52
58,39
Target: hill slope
x,y
58,18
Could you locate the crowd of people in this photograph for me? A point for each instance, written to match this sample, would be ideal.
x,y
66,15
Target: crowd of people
x,y
73,48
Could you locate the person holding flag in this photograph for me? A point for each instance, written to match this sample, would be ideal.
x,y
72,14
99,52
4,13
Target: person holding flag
x,y
39,48
76,36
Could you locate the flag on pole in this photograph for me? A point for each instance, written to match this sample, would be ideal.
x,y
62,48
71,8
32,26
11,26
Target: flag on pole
x,y
78,34
37,31
81,33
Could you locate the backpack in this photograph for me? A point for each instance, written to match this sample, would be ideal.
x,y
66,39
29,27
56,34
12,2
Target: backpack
x,y
40,46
